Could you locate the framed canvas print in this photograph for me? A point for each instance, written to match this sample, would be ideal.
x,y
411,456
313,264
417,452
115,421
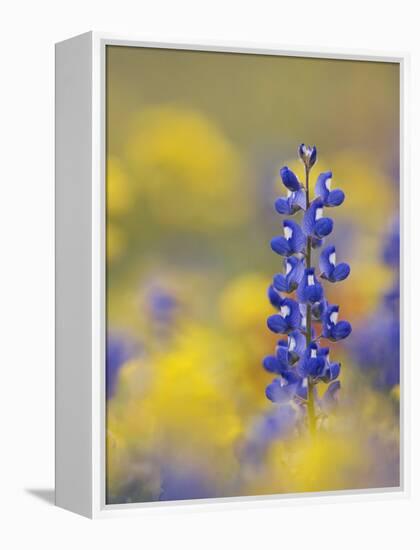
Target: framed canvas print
x,y
229,267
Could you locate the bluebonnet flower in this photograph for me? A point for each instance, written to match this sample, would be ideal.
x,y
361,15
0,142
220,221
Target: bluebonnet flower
x,y
296,345
309,289
332,328
288,318
295,199
292,242
323,190
314,223
312,362
290,385
299,362
287,353
290,280
329,269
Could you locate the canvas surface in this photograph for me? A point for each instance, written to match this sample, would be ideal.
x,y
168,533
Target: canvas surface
x,y
203,398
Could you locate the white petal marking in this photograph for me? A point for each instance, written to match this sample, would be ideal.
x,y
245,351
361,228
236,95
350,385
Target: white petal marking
x,y
334,317
284,311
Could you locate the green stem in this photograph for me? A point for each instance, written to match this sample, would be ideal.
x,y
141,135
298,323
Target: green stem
x,y
311,403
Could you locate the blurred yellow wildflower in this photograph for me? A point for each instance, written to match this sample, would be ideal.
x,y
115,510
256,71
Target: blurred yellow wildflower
x,y
186,169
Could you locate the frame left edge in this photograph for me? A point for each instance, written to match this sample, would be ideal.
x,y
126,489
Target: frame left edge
x,y
73,251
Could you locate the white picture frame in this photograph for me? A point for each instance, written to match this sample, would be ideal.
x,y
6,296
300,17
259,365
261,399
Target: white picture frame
x,y
80,275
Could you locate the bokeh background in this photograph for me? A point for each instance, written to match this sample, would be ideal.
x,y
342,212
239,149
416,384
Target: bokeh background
x,y
195,141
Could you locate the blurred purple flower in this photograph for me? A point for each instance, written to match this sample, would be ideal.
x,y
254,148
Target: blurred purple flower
x,y
279,423
377,345
119,350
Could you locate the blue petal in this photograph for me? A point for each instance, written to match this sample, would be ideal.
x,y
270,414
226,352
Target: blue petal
x,y
321,189
277,324
325,266
282,354
294,317
275,299
277,393
291,377
280,283
308,222
334,371
327,324
271,364
341,272
297,240
309,293
299,198
335,198
341,330
329,399
300,341
283,206
323,227
298,269
281,246
313,293
289,179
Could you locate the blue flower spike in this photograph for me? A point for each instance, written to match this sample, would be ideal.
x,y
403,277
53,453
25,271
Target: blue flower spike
x,y
330,270
323,190
299,362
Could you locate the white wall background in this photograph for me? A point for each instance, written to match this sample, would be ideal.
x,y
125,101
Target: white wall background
x,y
28,32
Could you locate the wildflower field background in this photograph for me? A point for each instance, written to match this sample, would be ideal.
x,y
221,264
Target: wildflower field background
x,y
195,142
